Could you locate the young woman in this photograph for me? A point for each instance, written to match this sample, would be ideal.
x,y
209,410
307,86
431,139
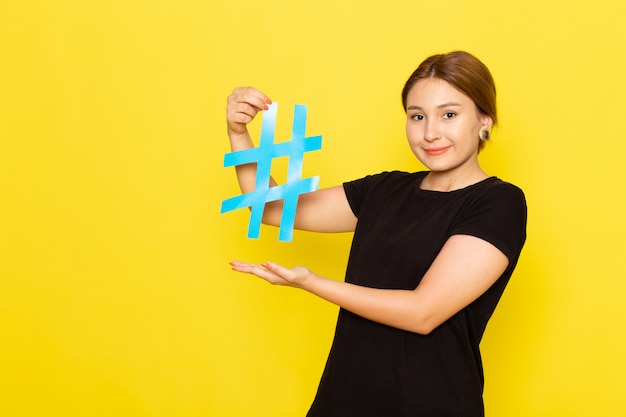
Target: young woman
x,y
431,255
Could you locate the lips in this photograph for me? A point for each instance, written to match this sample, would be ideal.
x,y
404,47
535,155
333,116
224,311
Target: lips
x,y
436,151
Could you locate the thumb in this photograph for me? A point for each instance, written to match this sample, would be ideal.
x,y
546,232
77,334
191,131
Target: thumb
x,y
279,270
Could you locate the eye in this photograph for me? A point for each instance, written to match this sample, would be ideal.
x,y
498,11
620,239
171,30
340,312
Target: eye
x,y
449,115
417,117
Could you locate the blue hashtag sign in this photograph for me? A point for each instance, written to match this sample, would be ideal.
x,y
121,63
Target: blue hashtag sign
x,y
263,156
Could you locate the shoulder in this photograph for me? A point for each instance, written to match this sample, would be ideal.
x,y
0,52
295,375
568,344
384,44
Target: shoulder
x,y
496,211
379,187
385,178
505,193
500,203
493,190
504,186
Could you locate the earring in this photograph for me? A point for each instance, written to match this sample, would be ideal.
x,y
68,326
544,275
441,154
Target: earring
x,y
485,134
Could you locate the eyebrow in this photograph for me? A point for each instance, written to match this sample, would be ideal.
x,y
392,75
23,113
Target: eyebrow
x,y
441,106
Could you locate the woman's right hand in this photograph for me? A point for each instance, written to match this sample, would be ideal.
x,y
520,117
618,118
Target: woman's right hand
x,y
243,105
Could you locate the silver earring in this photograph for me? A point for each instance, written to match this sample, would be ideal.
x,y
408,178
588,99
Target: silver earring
x,y
485,134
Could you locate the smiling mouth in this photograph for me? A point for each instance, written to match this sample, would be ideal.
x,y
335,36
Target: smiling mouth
x,y
436,151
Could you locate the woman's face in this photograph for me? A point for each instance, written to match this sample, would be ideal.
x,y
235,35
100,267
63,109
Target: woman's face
x,y
443,127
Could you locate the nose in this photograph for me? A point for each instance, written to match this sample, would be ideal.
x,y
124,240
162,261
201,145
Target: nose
x,y
431,132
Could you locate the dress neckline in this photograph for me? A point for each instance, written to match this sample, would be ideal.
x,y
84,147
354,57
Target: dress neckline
x,y
443,193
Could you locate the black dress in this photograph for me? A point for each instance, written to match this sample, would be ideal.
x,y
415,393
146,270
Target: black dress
x,y
380,371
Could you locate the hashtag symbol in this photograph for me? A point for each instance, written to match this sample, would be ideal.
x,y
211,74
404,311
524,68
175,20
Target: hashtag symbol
x,y
263,156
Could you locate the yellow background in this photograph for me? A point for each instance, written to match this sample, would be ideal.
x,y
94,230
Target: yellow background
x,y
116,297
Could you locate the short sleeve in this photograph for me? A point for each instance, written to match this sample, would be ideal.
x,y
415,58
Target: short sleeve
x,y
357,190
499,216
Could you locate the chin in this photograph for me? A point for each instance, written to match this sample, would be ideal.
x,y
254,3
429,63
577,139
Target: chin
x,y
437,166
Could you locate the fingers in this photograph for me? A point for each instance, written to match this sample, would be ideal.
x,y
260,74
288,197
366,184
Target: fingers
x,y
262,270
275,273
271,272
251,96
243,105
276,269
244,266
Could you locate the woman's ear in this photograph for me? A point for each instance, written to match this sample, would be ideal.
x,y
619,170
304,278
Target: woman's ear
x,y
486,122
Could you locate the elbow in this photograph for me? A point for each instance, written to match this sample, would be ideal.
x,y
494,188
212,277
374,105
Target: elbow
x,y
423,317
423,328
423,325
272,215
267,221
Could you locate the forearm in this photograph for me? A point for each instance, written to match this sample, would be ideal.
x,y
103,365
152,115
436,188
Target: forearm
x,y
465,268
395,308
246,176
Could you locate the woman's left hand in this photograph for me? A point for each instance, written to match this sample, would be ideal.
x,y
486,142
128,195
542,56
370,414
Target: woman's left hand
x,y
276,274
